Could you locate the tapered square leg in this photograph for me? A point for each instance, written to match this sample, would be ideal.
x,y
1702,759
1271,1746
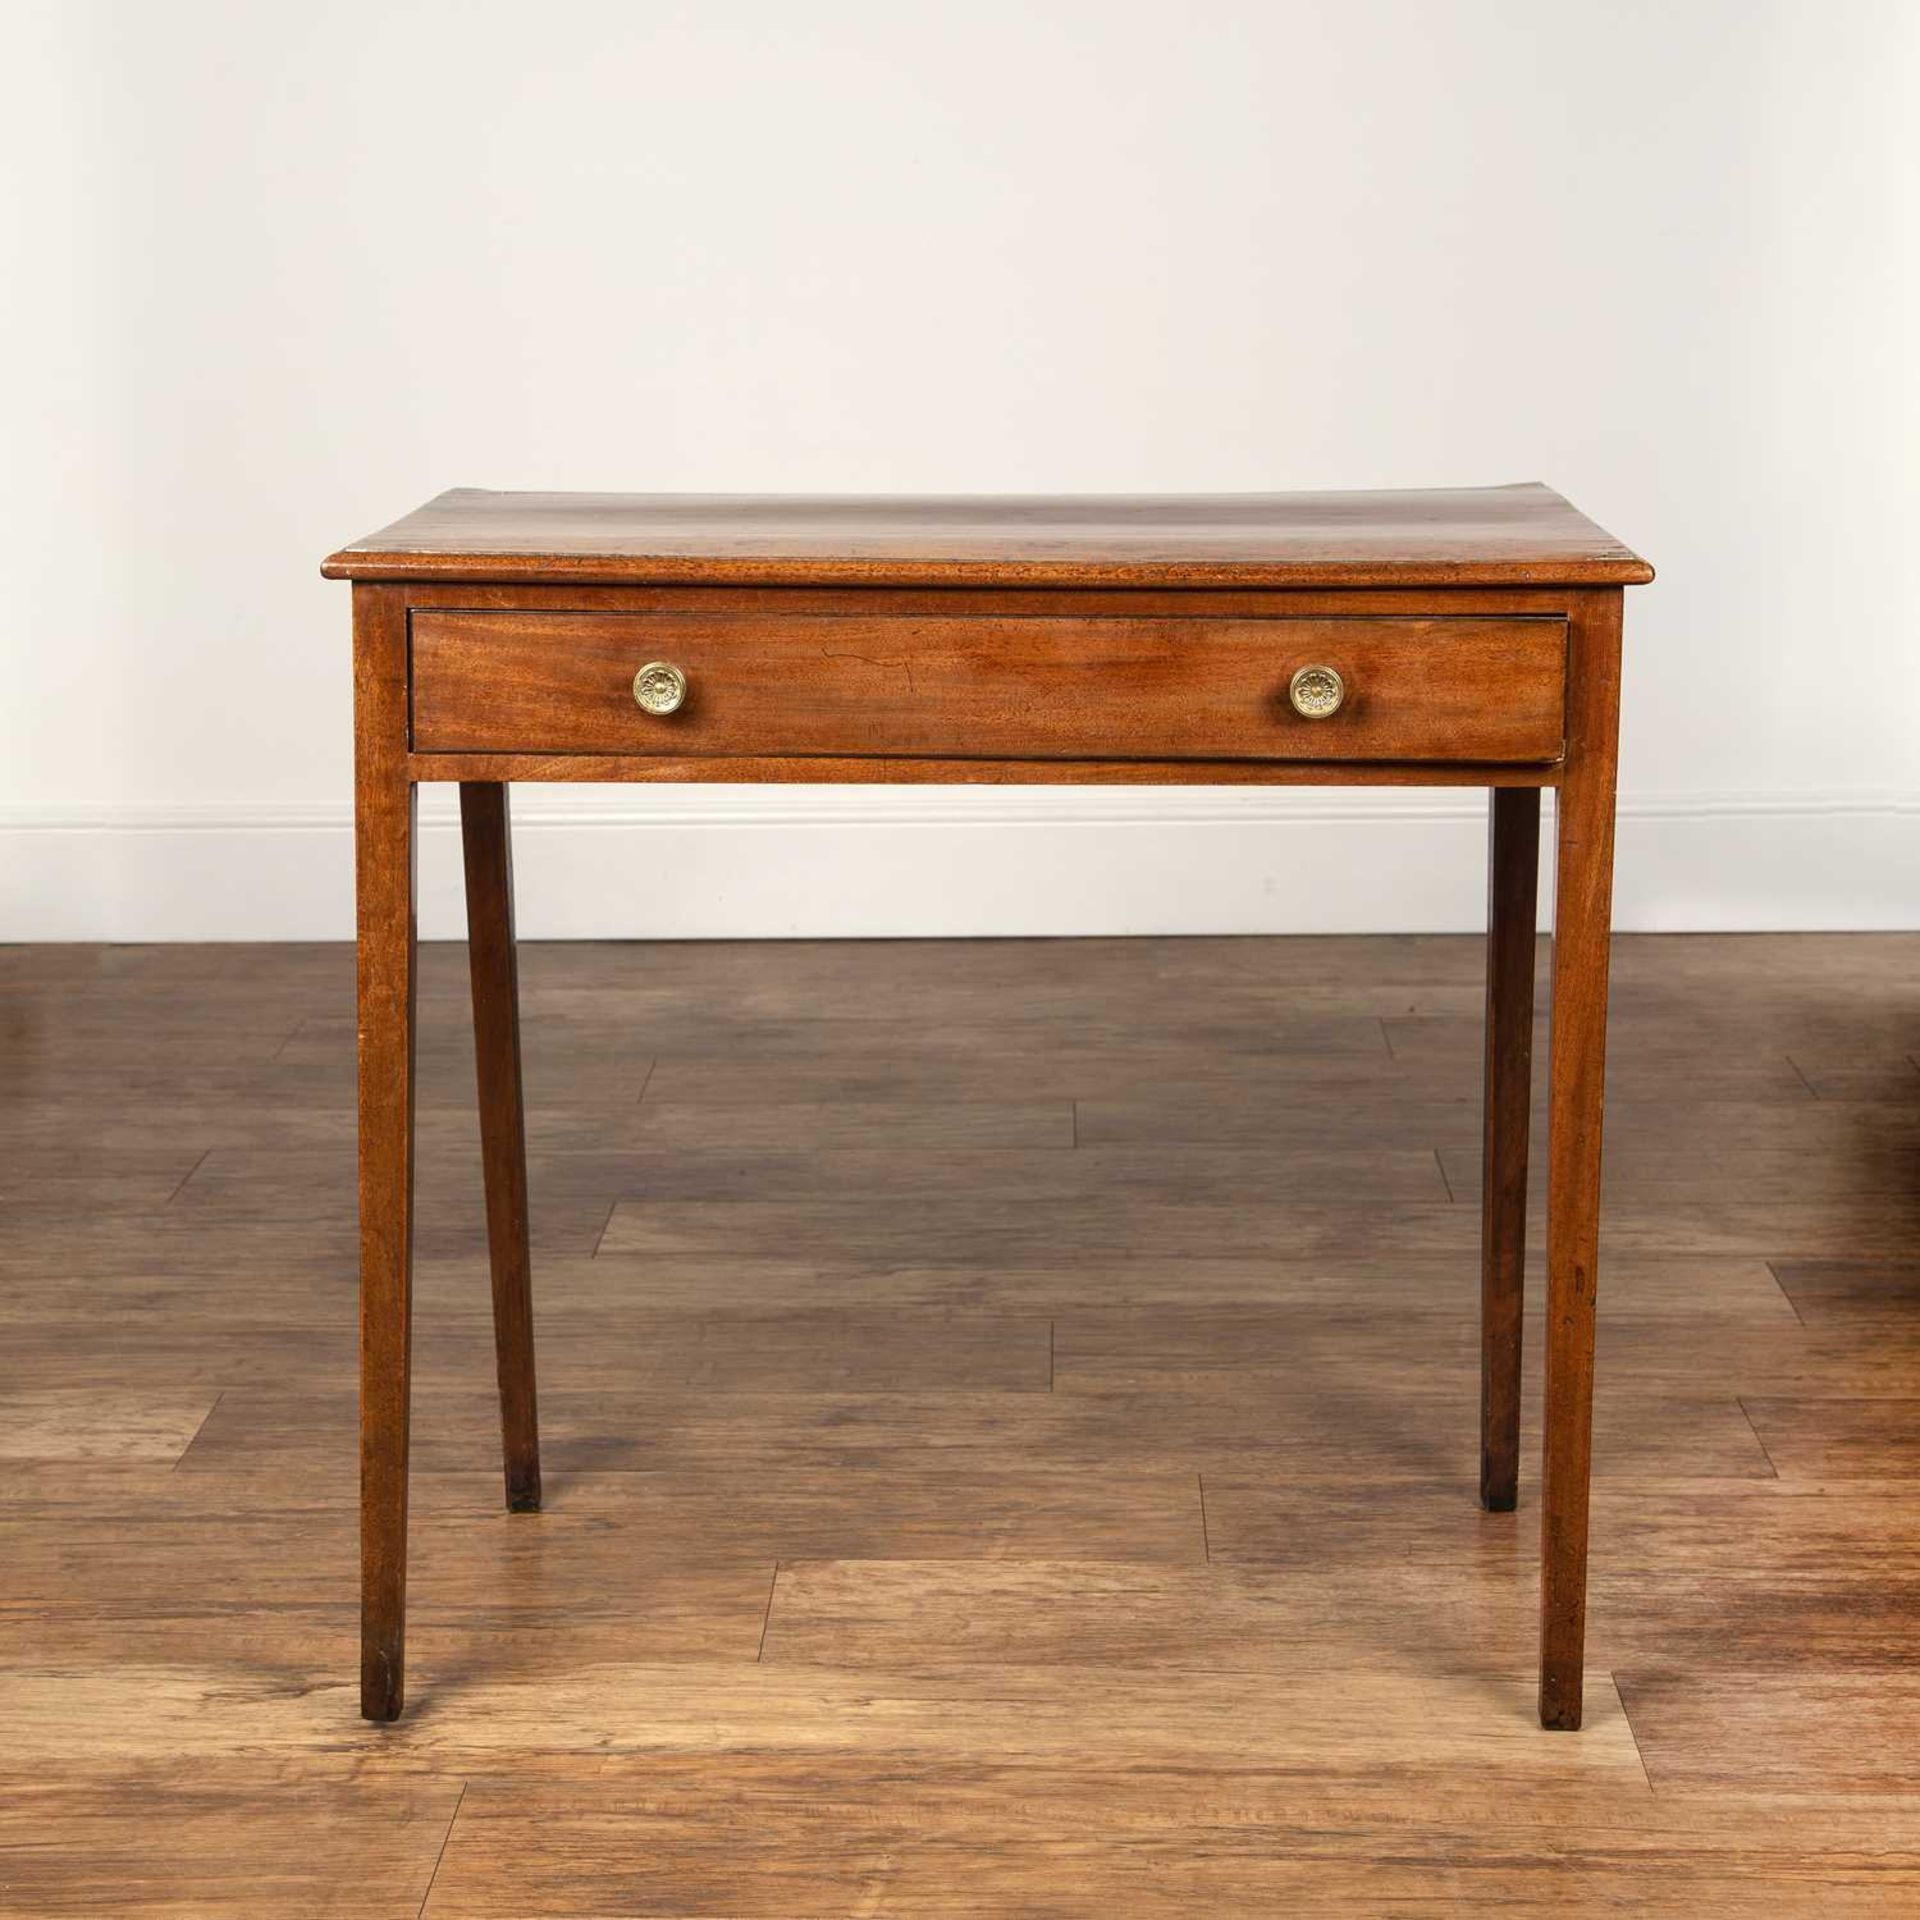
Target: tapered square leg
x,y
384,836
486,835
1513,865
1583,903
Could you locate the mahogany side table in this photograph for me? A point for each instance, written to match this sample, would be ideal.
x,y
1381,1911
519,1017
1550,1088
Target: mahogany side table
x,y
1450,638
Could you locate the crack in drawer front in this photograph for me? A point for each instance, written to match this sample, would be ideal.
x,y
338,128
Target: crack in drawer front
x,y
988,685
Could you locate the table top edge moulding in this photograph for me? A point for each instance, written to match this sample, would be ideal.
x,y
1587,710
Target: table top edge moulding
x,y
1512,536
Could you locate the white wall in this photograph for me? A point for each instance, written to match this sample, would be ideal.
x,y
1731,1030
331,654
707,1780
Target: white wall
x,y
275,273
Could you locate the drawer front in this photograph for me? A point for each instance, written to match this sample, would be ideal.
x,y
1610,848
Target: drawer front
x,y
990,686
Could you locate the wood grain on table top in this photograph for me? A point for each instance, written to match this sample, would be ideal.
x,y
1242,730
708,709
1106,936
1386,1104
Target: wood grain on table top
x,y
1476,536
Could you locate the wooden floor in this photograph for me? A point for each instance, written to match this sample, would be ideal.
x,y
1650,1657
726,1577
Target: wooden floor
x,y
1010,1439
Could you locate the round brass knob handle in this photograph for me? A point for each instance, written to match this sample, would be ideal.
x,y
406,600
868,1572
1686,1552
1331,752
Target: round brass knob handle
x,y
1317,693
659,687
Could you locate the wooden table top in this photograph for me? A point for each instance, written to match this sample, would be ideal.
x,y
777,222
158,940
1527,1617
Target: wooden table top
x,y
1523,535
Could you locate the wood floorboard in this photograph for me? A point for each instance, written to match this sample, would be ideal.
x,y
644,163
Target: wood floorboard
x,y
1009,1439
814,1862
156,1285
1361,1421
1869,1294
172,1843
100,1423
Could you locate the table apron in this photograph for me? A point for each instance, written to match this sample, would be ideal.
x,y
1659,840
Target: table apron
x,y
880,770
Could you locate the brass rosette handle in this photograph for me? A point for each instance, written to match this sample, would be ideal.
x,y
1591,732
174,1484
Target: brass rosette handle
x,y
1317,692
659,687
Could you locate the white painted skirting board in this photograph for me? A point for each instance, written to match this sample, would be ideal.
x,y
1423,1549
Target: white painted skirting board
x,y
746,862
